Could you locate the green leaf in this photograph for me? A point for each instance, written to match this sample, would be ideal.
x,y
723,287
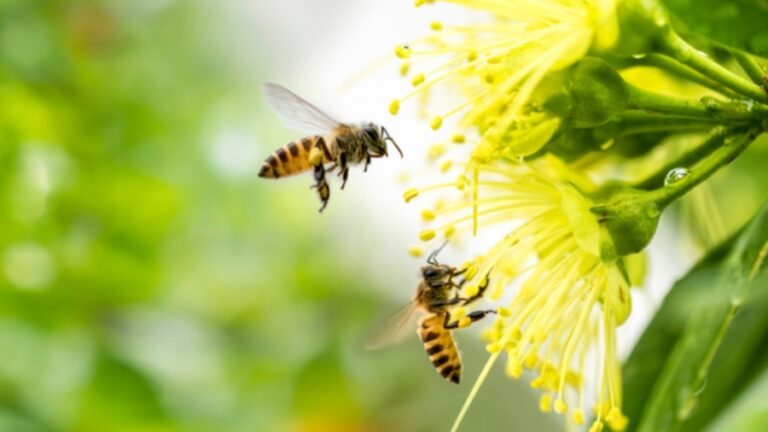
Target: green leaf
x,y
696,349
737,23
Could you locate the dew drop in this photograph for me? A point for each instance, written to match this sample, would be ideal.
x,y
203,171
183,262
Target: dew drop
x,y
675,175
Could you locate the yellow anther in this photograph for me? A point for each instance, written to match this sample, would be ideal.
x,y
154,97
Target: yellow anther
x,y
436,122
505,312
450,231
560,406
597,426
514,369
545,403
530,360
428,215
577,417
458,138
537,383
458,312
471,271
403,51
464,322
415,251
427,235
435,151
471,290
436,25
417,79
394,107
404,68
494,348
446,165
461,182
410,194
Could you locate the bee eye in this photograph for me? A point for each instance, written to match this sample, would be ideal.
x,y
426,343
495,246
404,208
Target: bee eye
x,y
372,133
432,273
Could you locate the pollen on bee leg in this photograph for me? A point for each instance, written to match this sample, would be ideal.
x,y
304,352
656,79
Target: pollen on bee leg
x,y
427,235
415,251
315,156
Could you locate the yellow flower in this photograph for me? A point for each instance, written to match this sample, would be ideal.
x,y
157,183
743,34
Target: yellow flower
x,y
497,67
567,300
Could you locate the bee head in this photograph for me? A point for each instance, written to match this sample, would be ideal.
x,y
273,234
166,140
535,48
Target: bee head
x,y
435,273
376,137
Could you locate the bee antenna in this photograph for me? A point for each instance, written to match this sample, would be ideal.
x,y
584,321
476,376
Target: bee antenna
x,y
387,136
433,256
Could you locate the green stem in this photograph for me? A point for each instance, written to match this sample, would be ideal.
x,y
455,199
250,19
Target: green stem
x,y
706,108
751,67
637,122
676,68
715,140
726,152
674,46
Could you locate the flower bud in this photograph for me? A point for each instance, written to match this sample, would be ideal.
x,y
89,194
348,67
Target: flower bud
x,y
627,219
597,91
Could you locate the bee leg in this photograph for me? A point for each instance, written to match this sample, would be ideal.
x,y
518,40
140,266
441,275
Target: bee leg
x,y
367,162
322,186
480,291
473,317
343,169
449,302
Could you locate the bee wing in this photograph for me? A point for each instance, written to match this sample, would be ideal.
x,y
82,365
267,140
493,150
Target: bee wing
x,y
393,329
296,112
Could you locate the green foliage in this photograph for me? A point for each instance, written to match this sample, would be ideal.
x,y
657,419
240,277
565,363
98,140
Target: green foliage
x,y
736,23
703,346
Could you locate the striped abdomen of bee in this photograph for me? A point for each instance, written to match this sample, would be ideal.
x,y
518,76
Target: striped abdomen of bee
x,y
293,158
439,344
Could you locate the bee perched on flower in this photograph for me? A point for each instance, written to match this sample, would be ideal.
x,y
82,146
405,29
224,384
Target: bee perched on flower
x,y
547,97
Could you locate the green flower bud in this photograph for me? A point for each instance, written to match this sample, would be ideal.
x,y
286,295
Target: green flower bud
x,y
597,93
628,220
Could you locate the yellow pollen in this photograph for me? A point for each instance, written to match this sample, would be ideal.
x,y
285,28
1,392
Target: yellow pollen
x,y
436,25
459,312
436,122
404,68
403,51
504,312
471,290
560,406
464,322
545,403
427,235
415,251
514,369
410,194
538,383
458,138
530,360
461,182
394,106
417,79
428,215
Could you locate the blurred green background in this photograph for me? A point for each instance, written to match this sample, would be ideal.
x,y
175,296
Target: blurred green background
x,y
149,280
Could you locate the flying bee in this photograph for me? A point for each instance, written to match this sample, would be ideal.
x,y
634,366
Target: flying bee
x,y
331,142
436,293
